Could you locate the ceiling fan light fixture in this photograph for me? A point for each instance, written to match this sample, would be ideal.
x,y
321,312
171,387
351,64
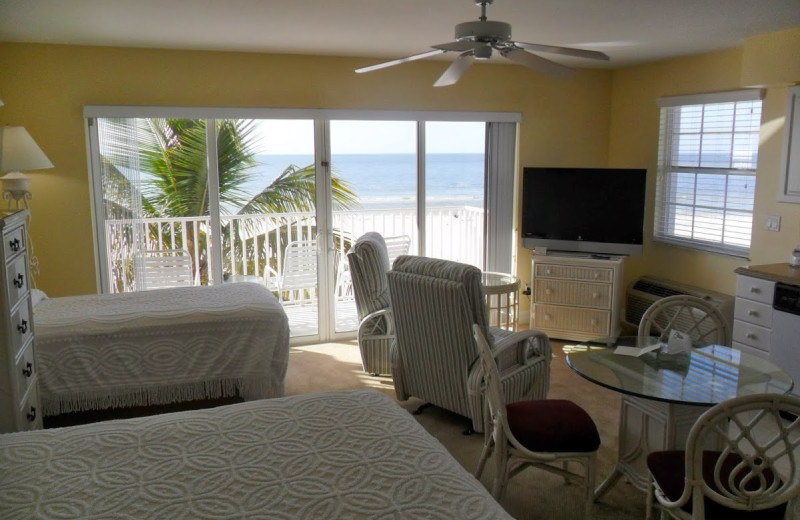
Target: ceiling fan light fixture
x,y
484,52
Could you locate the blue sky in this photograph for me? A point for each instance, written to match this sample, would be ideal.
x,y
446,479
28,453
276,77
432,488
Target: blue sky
x,y
290,137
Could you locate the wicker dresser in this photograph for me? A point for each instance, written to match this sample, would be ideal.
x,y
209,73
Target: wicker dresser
x,y
19,399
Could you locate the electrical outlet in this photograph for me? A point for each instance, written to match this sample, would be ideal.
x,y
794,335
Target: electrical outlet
x,y
773,223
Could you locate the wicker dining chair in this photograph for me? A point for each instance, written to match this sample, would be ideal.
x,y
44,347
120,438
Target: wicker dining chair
x,y
698,318
538,433
754,474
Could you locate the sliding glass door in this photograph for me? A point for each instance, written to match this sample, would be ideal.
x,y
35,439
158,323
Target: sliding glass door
x,y
279,200
377,161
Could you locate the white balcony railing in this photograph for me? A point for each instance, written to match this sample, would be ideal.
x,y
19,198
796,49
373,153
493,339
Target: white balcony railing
x,y
254,245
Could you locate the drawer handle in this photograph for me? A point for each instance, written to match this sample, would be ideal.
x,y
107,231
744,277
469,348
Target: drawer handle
x,y
548,291
595,295
548,317
28,370
547,271
751,312
595,275
755,290
23,327
32,414
593,321
14,244
750,335
19,281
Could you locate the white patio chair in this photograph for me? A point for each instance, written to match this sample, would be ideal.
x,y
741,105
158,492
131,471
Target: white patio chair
x,y
299,276
165,268
396,246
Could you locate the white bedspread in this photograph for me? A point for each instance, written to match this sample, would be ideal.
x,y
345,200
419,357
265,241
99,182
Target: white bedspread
x,y
161,346
341,455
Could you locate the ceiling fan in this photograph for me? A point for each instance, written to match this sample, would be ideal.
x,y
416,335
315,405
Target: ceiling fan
x,y
477,40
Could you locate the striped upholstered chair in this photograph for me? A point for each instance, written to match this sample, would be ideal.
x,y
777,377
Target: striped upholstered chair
x,y
369,262
435,358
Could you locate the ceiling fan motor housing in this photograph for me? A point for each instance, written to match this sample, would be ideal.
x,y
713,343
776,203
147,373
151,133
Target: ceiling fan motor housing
x,y
484,31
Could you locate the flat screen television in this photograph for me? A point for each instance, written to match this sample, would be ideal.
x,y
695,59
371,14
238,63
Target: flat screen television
x,y
589,210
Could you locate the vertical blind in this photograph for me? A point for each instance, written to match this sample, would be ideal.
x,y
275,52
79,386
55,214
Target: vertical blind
x,y
707,159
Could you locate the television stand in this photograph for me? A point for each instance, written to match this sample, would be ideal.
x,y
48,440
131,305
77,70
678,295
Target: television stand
x,y
576,296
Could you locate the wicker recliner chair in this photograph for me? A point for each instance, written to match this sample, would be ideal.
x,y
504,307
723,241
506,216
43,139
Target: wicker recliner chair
x,y
435,357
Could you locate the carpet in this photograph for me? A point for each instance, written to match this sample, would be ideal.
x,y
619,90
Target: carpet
x,y
533,494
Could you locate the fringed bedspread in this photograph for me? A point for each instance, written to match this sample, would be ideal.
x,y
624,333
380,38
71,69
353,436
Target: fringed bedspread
x,y
341,455
161,346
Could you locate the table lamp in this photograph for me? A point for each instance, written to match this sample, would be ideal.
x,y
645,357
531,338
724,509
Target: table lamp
x,y
18,152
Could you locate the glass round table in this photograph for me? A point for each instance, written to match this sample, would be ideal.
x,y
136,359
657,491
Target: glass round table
x,y
664,394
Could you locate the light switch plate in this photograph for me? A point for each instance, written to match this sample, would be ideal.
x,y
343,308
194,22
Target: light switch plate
x,y
773,223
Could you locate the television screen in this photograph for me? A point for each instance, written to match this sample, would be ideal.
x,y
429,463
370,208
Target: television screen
x,y
592,210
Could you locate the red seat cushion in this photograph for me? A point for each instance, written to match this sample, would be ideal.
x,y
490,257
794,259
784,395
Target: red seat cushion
x,y
669,469
552,425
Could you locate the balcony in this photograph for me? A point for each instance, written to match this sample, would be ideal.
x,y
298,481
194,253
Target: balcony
x,y
253,248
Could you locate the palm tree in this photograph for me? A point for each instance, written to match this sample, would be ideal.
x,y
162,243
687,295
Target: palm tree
x,y
171,153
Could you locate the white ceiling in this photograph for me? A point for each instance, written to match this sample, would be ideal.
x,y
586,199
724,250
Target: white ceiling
x,y
629,31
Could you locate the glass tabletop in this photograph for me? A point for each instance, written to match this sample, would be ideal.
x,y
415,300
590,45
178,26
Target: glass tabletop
x,y
499,282
702,376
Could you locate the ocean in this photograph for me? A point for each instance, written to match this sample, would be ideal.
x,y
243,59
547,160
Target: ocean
x,y
388,181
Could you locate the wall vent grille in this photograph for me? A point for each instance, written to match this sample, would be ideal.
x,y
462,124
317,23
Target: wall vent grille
x,y
645,291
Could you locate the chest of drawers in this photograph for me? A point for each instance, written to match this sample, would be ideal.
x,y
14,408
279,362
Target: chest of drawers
x,y
752,315
19,400
576,297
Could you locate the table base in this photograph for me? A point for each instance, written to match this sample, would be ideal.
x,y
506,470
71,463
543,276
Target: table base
x,y
646,426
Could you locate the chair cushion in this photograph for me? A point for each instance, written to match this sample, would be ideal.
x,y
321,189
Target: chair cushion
x,y
669,469
552,425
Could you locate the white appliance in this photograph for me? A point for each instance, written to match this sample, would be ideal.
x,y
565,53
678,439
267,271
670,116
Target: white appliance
x,y
785,345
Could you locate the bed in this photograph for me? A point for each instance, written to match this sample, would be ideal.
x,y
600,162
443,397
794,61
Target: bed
x,y
158,347
353,454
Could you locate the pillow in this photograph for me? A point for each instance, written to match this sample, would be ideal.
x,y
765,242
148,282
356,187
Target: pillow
x,y
37,296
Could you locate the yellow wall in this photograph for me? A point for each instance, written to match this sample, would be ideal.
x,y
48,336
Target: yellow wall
x,y
634,142
595,118
44,87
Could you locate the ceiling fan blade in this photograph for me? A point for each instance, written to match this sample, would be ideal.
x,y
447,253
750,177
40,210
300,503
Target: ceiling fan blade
x,y
461,46
566,51
401,60
537,62
455,70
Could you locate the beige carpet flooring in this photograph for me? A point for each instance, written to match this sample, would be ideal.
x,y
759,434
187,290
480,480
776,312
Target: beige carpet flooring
x,y
530,495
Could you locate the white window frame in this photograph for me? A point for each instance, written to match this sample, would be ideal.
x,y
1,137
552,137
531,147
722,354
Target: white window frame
x,y
501,145
666,205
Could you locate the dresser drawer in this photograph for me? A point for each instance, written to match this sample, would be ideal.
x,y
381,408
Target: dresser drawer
x,y
580,294
21,328
755,289
30,413
17,279
753,312
751,335
14,242
571,272
593,321
25,371
750,350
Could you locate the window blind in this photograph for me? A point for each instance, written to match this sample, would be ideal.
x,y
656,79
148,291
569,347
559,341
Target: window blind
x,y
707,155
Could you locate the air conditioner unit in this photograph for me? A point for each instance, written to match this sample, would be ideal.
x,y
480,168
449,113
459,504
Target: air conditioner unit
x,y
647,290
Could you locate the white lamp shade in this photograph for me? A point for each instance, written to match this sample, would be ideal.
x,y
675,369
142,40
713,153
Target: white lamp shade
x,y
19,152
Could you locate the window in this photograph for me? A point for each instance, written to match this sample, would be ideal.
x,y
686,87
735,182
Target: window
x,y
707,158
